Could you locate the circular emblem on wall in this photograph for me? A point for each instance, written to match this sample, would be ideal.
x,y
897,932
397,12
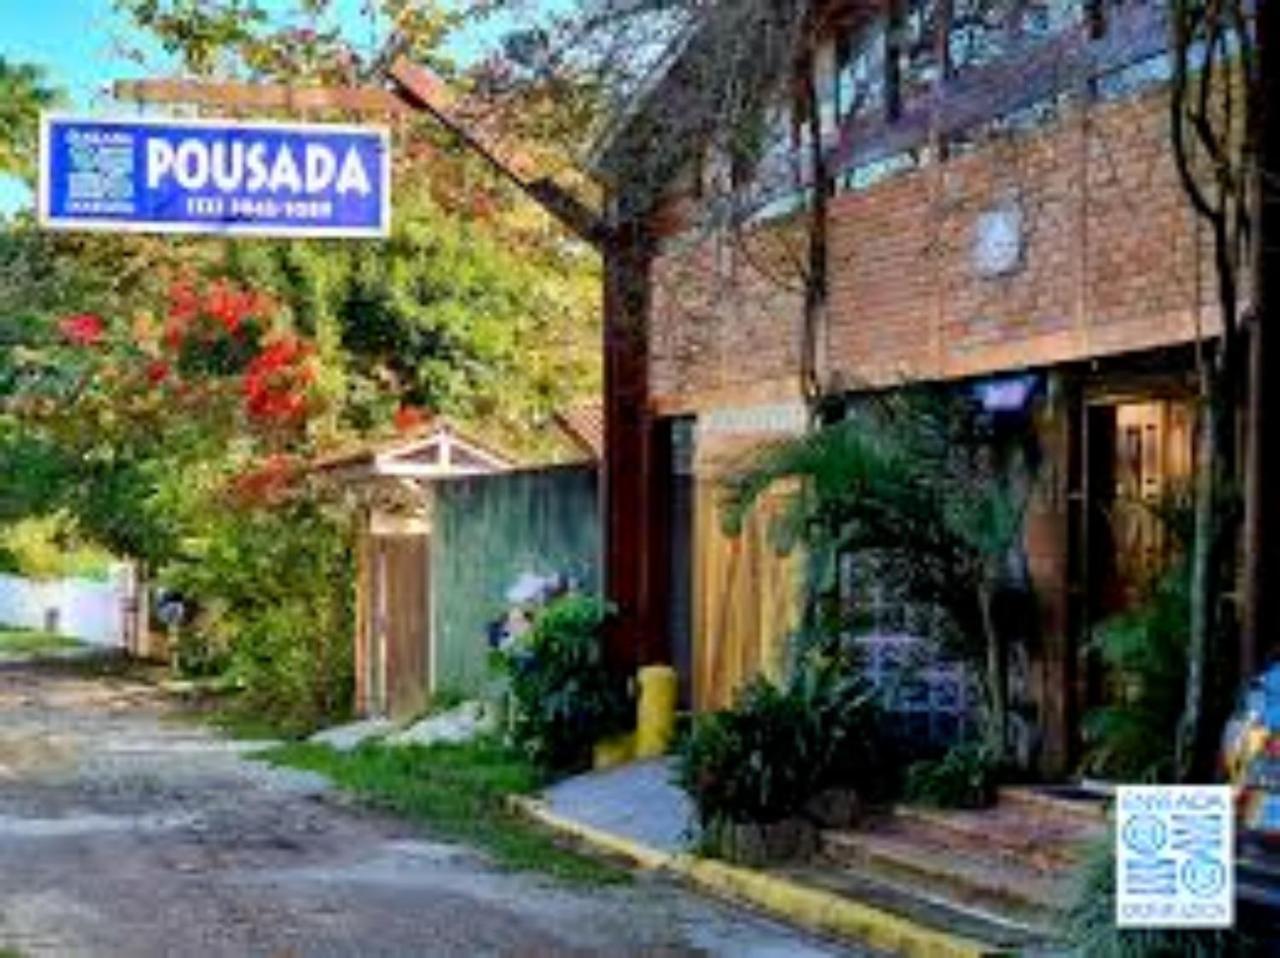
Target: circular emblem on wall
x,y
998,240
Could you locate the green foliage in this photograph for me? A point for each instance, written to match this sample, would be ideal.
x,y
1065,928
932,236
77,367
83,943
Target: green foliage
x,y
917,483
966,777
1145,651
47,547
929,494
565,698
23,94
275,589
303,40
478,320
1091,923
781,745
456,792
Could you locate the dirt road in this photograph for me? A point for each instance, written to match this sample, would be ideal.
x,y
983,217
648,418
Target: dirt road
x,y
125,831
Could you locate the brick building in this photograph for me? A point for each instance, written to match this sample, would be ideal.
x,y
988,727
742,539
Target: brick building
x,y
1005,209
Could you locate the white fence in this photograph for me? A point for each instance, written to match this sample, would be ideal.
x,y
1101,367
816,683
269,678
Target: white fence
x,y
85,609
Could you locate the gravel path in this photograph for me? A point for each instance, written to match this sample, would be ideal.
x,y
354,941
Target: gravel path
x,y
126,831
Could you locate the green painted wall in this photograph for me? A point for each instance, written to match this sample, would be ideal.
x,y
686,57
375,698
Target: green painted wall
x,y
487,531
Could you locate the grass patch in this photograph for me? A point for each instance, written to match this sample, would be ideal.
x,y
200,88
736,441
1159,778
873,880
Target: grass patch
x,y
246,726
456,792
219,702
34,643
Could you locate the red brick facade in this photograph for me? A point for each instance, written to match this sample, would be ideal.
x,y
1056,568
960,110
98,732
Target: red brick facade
x,y
1108,266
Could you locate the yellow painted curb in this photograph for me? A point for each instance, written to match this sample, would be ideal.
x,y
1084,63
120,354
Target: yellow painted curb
x,y
827,912
642,855
812,908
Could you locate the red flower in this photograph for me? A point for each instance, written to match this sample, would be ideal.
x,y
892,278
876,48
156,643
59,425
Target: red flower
x,y
275,382
231,306
175,332
409,418
267,482
158,371
83,329
224,303
184,303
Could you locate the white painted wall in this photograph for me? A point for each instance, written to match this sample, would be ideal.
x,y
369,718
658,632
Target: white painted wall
x,y
86,609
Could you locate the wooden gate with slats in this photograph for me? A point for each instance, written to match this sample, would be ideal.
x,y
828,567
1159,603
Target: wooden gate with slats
x,y
394,667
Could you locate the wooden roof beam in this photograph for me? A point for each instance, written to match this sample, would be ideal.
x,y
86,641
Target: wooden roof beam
x,y
261,96
416,90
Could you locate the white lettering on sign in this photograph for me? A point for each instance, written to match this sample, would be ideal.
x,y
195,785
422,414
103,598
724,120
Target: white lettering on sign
x,y
234,167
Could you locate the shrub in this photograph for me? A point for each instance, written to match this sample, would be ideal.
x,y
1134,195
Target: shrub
x,y
1146,652
780,746
966,777
564,697
275,592
926,489
1091,924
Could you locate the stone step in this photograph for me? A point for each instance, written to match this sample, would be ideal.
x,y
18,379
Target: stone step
x,y
986,883
1014,832
1073,802
909,901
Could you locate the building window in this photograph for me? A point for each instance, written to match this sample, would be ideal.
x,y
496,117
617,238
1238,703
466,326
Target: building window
x,y
860,72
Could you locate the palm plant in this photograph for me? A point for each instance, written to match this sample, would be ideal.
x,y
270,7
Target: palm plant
x,y
921,485
1145,651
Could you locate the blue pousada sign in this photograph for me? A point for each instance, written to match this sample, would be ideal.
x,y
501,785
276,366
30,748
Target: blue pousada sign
x,y
208,176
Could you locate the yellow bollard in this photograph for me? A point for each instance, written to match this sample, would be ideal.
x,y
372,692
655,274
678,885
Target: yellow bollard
x,y
656,711
615,751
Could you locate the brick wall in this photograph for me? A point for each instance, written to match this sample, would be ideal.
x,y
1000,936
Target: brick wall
x,y
1108,266
726,319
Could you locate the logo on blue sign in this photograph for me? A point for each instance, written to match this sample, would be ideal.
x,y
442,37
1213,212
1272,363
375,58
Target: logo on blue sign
x,y
1175,849
214,176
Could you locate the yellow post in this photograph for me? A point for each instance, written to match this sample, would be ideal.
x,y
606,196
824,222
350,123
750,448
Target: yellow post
x,y
615,751
655,711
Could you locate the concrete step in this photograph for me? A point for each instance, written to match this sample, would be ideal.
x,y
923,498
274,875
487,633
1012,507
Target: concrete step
x,y
1016,833
1000,934
988,884
1072,802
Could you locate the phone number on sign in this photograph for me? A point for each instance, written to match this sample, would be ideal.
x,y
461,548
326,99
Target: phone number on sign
x,y
266,209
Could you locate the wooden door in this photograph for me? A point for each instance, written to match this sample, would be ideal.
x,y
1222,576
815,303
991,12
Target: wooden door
x,y
1152,460
399,663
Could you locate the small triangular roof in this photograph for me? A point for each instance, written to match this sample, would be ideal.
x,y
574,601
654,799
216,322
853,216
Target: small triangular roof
x,y
438,450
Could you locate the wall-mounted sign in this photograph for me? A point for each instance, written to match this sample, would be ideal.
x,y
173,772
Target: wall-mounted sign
x,y
785,418
214,176
998,240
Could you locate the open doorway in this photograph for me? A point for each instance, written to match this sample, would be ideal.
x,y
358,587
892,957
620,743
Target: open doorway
x,y
1138,461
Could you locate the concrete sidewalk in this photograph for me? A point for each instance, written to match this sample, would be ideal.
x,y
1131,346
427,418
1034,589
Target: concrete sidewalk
x,y
637,813
636,802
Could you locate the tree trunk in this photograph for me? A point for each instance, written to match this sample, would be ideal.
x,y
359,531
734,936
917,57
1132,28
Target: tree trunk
x,y
997,679
1262,516
1202,580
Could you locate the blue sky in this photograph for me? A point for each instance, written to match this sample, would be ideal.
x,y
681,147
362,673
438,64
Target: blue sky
x,y
75,41
72,39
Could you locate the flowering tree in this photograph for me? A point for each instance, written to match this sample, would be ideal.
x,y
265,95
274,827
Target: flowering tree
x,y
128,406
